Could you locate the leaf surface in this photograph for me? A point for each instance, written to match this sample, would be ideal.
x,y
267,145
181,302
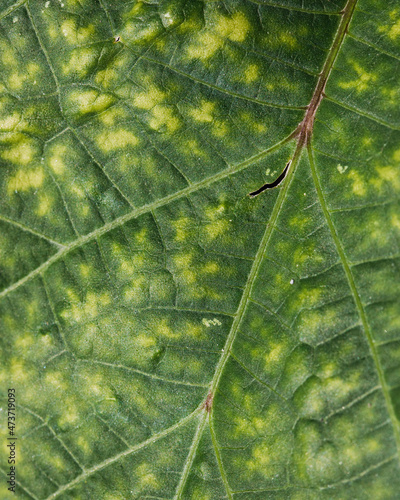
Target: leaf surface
x,y
169,337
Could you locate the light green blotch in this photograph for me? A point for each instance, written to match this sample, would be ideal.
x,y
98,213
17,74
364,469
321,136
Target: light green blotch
x,y
395,221
116,139
164,329
316,459
112,115
84,445
21,150
137,292
193,146
378,231
89,308
251,73
288,39
74,35
183,262
216,224
78,192
96,388
145,477
388,175
234,28
134,32
24,180
255,126
338,389
8,123
168,19
90,101
107,77
70,416
311,400
178,365
80,62
56,380
220,128
205,46
129,268
275,354
17,79
359,186
56,158
267,454
183,228
8,55
203,113
113,496
308,297
150,98
163,116
363,81
300,221
392,30
312,322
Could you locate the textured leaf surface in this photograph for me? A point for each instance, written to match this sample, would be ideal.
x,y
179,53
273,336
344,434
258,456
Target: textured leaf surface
x,y
168,336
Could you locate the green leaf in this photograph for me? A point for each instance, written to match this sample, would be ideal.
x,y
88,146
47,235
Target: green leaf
x,y
168,336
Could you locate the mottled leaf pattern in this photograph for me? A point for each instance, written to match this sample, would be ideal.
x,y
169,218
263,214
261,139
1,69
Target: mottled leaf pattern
x,y
169,337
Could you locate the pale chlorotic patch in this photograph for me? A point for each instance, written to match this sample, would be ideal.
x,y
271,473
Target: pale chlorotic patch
x,y
363,80
90,101
116,139
234,28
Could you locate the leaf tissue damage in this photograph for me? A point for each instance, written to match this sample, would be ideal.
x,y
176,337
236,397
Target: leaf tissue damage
x,y
164,334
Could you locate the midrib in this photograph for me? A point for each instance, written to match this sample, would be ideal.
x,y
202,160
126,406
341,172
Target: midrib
x,y
303,134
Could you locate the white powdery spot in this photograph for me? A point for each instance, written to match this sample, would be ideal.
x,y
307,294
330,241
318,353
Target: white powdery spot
x,y
291,282
341,169
15,19
211,322
167,19
47,4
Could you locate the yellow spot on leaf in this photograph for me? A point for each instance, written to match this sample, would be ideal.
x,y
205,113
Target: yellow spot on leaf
x,y
90,101
147,100
56,161
44,206
22,153
390,175
358,183
75,35
204,112
251,73
25,180
164,116
109,141
80,62
164,329
10,122
205,46
235,28
145,341
362,82
145,477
